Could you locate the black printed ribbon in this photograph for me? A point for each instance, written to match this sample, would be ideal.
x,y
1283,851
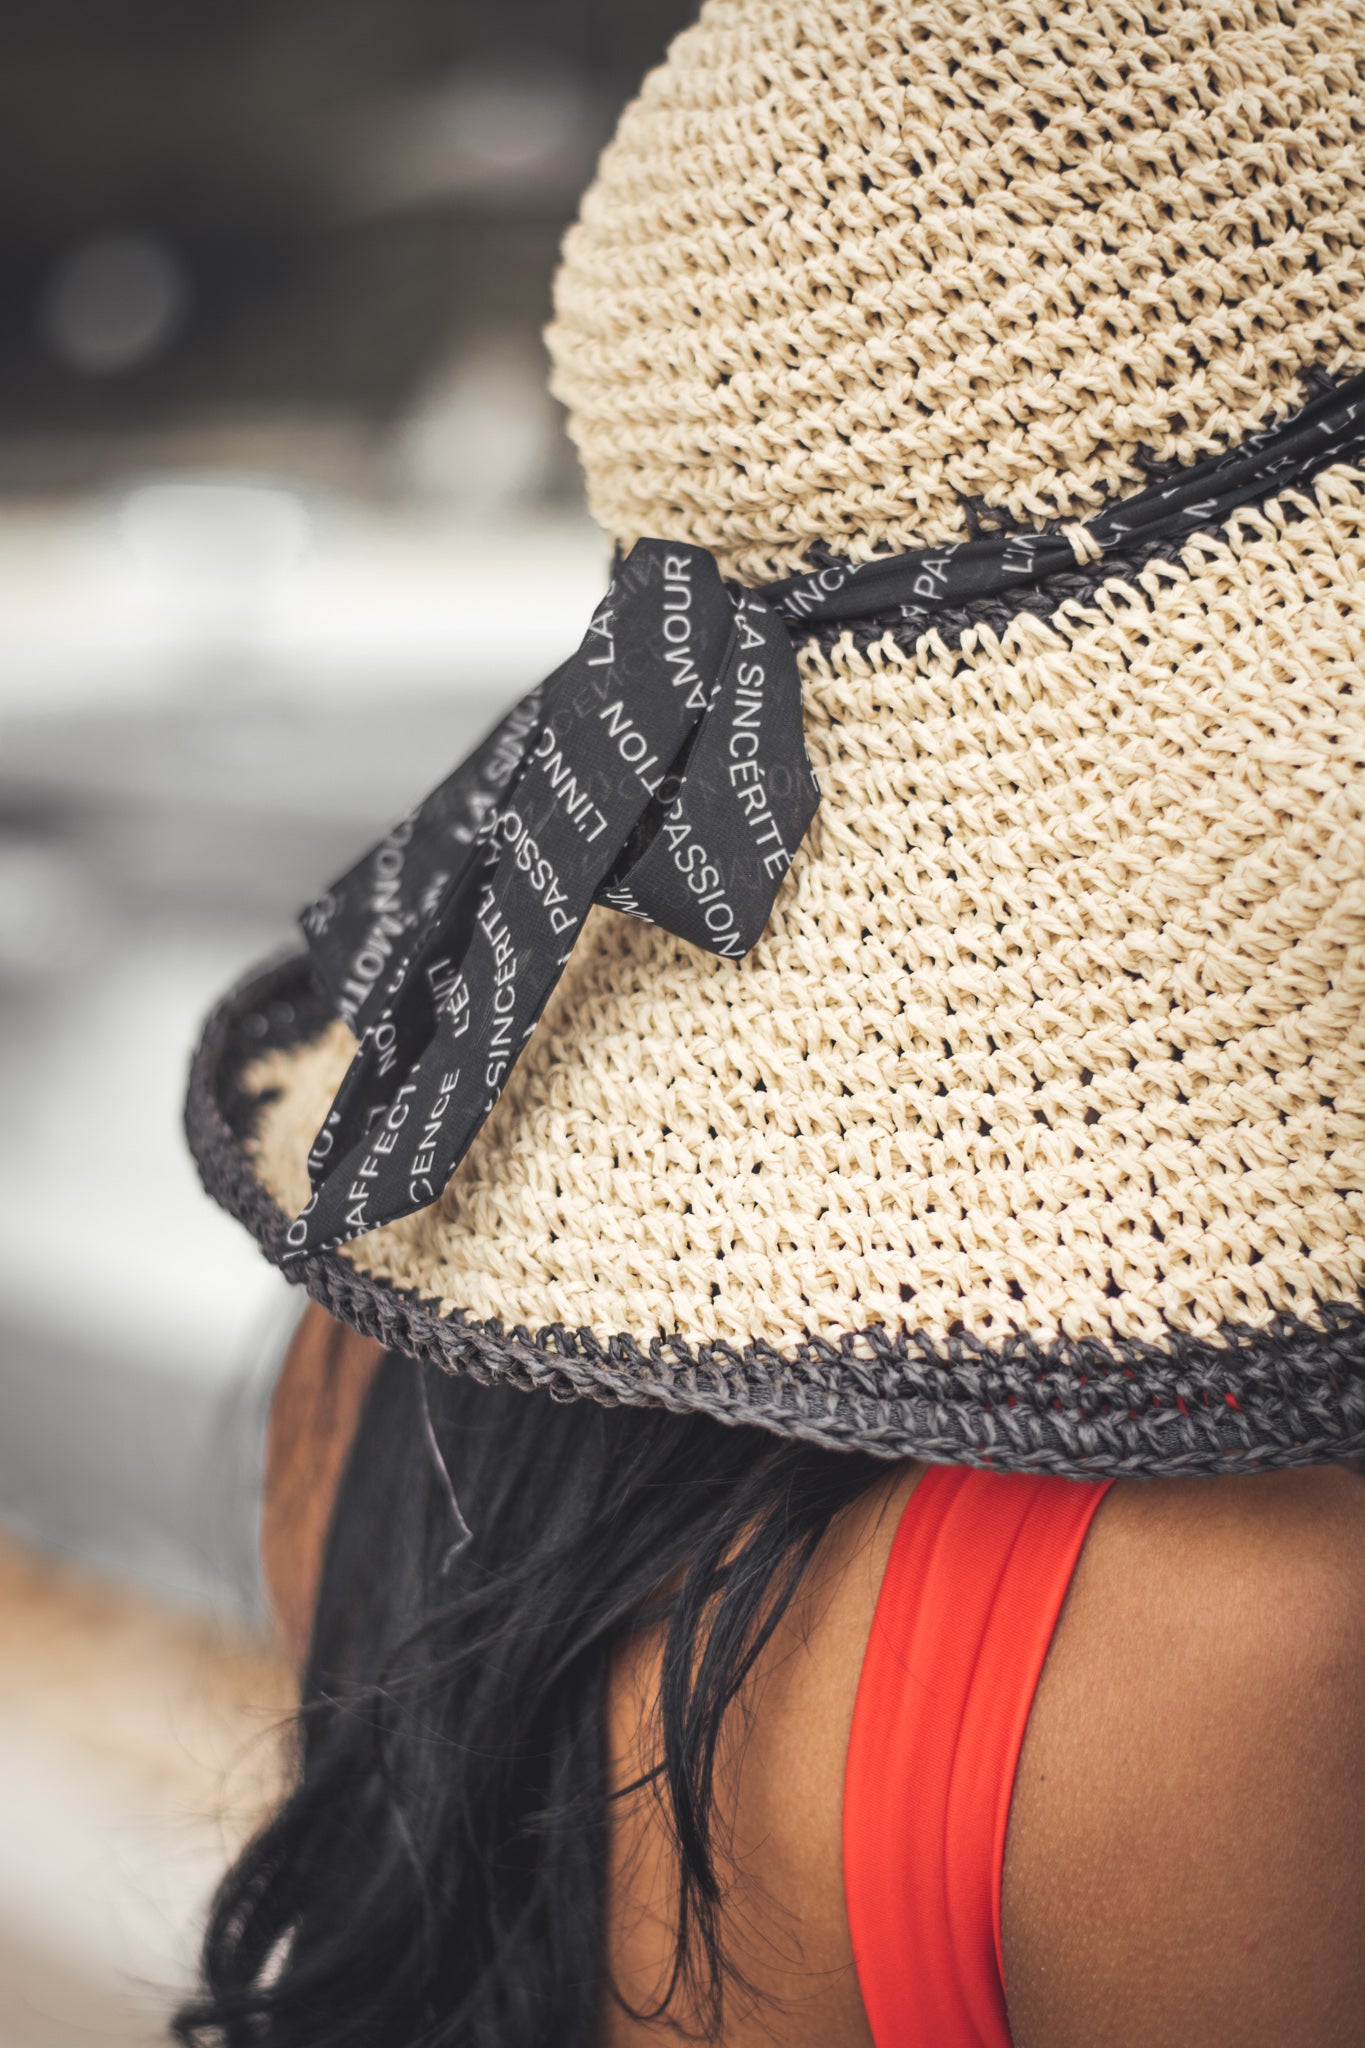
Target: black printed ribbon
x,y
912,587
661,771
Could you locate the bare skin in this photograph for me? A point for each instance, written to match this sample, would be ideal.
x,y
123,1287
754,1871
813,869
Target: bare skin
x,y
313,1415
1186,1851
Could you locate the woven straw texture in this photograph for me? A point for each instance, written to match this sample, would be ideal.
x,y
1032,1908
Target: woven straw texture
x,y
849,262
1059,1025
1058,1030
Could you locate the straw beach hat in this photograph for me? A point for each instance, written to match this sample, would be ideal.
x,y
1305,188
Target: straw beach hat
x,y
978,379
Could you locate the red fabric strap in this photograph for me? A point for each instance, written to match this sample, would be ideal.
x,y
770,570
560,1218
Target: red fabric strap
x,y
976,1579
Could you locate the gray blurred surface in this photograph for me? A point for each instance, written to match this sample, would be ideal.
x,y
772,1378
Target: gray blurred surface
x,y
138,1744
286,517
163,814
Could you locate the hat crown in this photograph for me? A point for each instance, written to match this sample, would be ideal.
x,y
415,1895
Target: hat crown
x,y
848,263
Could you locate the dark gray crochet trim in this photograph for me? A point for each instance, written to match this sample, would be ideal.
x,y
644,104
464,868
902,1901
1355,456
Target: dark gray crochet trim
x,y
1042,600
1290,1394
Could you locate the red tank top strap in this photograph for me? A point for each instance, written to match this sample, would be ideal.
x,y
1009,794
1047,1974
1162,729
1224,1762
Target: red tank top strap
x,y
977,1576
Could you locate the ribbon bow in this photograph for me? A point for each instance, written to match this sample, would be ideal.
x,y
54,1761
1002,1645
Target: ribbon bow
x,y
662,771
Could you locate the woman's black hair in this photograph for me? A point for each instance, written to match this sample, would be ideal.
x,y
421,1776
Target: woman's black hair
x,y
436,1875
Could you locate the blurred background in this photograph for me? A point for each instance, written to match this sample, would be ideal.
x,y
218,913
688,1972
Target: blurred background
x,y
286,517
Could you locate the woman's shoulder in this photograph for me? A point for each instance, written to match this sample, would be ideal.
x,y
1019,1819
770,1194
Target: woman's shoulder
x,y
1186,1853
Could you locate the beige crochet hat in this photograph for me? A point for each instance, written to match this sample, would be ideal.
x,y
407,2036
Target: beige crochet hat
x,y
1032,1130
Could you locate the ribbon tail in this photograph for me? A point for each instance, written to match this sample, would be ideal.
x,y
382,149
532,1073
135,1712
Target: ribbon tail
x,y
360,929
610,721
401,1027
413,1137
742,800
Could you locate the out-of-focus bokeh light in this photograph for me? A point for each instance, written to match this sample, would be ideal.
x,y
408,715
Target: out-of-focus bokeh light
x,y
501,129
482,431
114,303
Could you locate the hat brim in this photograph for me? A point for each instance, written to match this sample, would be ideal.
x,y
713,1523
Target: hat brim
x,y
1292,1393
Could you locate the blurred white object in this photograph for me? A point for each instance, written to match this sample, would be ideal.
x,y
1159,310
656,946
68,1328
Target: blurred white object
x,y
214,550
114,303
113,608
